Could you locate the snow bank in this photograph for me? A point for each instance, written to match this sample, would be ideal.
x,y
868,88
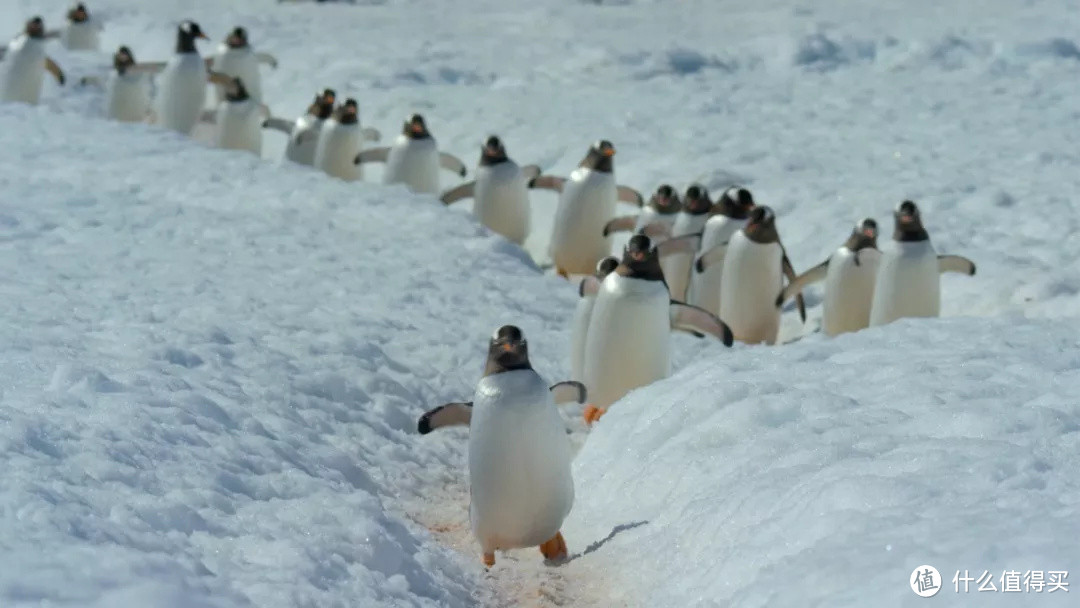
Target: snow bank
x,y
823,473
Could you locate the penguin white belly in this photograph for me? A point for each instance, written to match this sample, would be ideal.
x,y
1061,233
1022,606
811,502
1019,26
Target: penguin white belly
x,y
907,283
304,139
336,149
521,486
415,163
676,267
127,97
849,291
81,36
748,288
705,286
238,63
627,344
239,126
181,92
586,204
579,328
23,70
501,200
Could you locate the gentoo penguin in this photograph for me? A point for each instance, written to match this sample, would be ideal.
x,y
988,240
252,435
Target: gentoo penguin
x,y
656,218
339,141
690,220
127,92
23,64
579,327
907,283
181,90
500,192
728,216
235,58
81,32
849,275
586,205
304,132
754,268
414,158
238,120
520,483
628,342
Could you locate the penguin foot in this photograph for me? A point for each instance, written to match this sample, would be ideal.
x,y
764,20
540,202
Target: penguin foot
x,y
555,548
562,273
593,413
489,559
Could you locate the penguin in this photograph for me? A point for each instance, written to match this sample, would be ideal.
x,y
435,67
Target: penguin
x,y
414,158
579,327
238,120
628,341
755,264
81,32
500,191
23,65
586,204
728,216
181,91
127,93
520,483
656,218
849,275
235,58
689,221
908,283
340,139
305,131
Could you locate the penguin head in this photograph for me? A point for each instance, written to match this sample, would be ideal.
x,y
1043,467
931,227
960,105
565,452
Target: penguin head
x,y
867,227
78,13
696,201
492,151
35,27
604,148
600,157
640,250
237,39
665,200
236,91
349,112
123,59
191,30
909,225
508,348
323,106
606,266
907,213
761,226
863,235
415,127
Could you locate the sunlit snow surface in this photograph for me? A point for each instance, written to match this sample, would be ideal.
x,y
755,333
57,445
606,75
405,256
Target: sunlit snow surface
x,y
212,365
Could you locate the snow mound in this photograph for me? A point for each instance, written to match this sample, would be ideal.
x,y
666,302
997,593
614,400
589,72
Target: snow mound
x,y
825,472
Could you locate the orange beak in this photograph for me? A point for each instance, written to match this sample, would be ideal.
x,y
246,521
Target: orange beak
x,y
416,128
508,347
608,152
869,232
906,219
202,35
637,255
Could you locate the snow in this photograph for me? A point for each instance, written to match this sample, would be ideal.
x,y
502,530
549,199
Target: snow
x,y
212,364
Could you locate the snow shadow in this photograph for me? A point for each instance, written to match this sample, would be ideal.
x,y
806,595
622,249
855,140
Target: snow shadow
x,y
600,543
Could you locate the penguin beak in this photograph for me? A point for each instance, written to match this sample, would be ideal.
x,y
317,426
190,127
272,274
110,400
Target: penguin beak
x,y
508,347
608,151
637,256
416,128
202,35
870,232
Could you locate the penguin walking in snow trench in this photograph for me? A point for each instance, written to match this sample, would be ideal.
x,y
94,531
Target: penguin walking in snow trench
x,y
656,219
235,58
586,204
728,216
304,132
81,33
908,280
414,158
127,90
238,120
520,484
339,141
500,192
23,65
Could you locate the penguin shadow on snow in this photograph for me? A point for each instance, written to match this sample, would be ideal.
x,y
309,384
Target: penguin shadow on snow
x,y
593,547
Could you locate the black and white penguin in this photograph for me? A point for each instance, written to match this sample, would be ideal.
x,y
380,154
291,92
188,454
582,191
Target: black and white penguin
x,y
728,216
414,158
235,58
656,218
23,65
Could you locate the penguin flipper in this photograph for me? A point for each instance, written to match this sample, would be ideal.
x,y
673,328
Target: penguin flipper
x,y
530,172
279,124
688,243
656,231
569,391
710,257
54,69
219,78
370,134
449,414
955,263
789,272
53,33
372,155
452,163
456,194
590,286
149,67
815,274
620,224
267,58
627,194
90,80
548,182
687,317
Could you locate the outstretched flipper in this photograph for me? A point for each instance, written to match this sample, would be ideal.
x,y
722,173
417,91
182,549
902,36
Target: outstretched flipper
x,y
370,134
656,231
688,243
266,58
620,224
219,78
149,67
450,414
208,116
815,274
789,272
570,391
265,109
710,257
452,163
209,62
55,70
279,124
548,182
955,263
590,286
372,155
52,34
627,194
90,80
530,172
458,193
694,319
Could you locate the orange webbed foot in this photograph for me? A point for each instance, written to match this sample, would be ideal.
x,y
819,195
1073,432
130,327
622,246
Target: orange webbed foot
x,y
489,559
593,413
554,548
